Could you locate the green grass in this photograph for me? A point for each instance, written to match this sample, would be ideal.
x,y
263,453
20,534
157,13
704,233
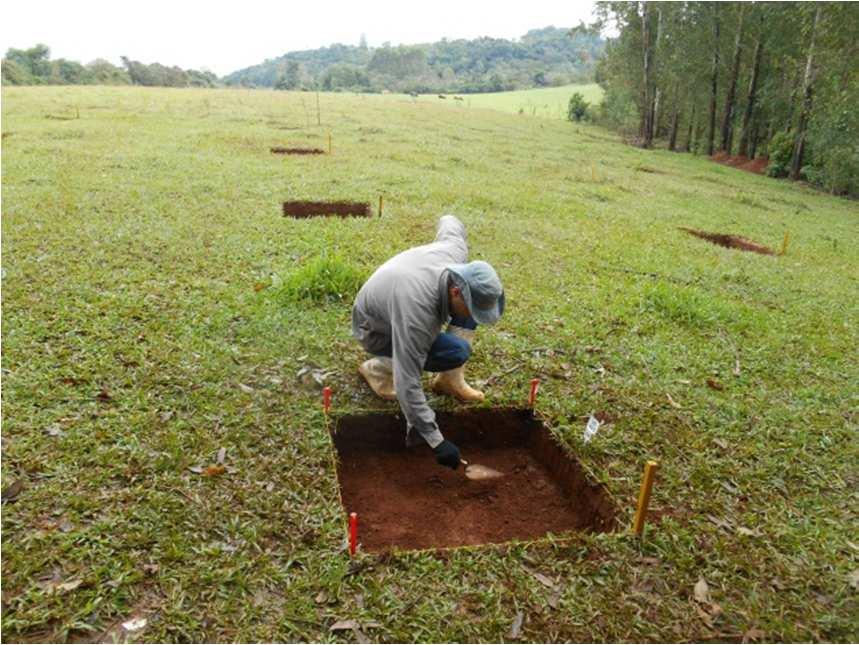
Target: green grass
x,y
548,102
144,330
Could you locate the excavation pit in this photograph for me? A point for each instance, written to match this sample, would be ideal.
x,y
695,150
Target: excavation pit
x,y
730,241
301,210
277,150
405,500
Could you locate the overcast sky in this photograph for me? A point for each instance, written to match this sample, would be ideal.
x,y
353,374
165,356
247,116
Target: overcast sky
x,y
224,37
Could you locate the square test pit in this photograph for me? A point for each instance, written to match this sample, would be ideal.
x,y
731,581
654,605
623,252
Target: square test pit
x,y
405,500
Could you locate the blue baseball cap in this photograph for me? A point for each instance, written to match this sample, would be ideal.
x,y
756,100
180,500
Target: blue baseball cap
x,y
481,289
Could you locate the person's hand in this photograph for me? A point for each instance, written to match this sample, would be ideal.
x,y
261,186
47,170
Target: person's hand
x,y
447,454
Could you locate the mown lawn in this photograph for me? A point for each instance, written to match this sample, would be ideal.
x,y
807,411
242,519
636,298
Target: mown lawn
x,y
147,325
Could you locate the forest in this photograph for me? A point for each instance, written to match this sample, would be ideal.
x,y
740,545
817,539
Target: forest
x,y
773,80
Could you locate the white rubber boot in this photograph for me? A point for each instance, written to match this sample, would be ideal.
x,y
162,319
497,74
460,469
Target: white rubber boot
x,y
379,374
452,382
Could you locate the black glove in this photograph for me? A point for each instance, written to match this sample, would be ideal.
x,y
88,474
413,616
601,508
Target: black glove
x,y
447,454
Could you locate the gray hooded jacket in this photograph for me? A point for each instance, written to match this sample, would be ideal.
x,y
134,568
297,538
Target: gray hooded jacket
x,y
404,306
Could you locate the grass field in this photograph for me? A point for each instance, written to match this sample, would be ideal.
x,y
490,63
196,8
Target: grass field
x,y
147,324
549,102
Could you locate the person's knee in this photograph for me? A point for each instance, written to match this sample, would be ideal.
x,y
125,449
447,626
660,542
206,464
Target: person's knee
x,y
462,351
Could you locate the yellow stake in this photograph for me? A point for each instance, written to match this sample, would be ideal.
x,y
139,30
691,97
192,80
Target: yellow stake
x,y
650,469
329,143
380,205
785,242
593,173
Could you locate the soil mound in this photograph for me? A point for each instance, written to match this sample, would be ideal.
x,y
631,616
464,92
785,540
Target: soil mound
x,y
302,209
730,241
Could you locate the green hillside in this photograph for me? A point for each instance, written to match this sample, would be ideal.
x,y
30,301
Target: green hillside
x,y
165,455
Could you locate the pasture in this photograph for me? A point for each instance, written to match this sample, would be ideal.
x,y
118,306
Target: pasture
x,y
163,359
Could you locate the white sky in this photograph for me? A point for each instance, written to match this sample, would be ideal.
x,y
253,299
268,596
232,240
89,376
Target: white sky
x,y
224,37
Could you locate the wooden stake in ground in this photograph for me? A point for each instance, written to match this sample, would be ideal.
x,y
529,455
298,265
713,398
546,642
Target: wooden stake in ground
x,y
381,202
785,241
329,143
650,469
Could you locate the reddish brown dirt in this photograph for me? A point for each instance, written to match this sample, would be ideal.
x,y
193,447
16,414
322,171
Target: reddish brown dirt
x,y
297,151
757,165
326,209
405,500
730,241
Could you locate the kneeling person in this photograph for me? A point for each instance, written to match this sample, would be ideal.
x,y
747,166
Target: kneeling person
x,y
398,317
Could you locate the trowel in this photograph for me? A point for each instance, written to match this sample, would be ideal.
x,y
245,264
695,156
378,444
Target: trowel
x,y
478,472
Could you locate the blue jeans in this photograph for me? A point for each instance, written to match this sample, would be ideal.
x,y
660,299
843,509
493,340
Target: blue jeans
x,y
447,351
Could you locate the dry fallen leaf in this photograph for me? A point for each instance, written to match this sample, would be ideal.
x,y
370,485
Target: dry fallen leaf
x,y
554,599
135,624
516,627
196,469
853,578
673,403
222,454
742,530
54,430
69,585
11,492
151,569
702,591
344,625
259,286
247,389
213,471
544,580
754,635
714,384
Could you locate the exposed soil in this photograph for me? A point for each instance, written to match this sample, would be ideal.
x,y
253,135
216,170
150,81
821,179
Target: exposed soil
x,y
758,165
326,209
296,151
405,500
730,241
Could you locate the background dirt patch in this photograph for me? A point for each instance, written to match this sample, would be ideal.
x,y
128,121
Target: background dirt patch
x,y
404,499
758,165
302,209
730,241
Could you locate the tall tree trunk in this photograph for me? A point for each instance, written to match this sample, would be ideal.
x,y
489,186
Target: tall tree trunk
x,y
732,85
750,100
799,146
691,128
711,132
654,118
753,140
647,133
672,140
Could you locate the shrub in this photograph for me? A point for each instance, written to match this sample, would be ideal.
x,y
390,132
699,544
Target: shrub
x,y
325,279
780,150
578,108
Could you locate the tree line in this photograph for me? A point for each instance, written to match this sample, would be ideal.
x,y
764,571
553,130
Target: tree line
x,y
34,67
757,79
543,57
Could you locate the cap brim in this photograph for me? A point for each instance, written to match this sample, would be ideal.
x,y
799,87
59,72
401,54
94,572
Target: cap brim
x,y
487,316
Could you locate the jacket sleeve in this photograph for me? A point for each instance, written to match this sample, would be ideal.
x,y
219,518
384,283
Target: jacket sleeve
x,y
452,231
411,342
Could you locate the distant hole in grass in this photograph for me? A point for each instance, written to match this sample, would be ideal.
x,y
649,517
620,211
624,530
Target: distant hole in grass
x,y
730,241
650,169
302,209
296,151
323,280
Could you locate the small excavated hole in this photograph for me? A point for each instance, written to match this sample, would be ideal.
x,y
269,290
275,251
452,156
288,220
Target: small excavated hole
x,y
302,209
405,500
730,241
296,151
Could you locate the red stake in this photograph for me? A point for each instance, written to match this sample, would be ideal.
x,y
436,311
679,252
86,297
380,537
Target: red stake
x,y
535,385
326,399
353,533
